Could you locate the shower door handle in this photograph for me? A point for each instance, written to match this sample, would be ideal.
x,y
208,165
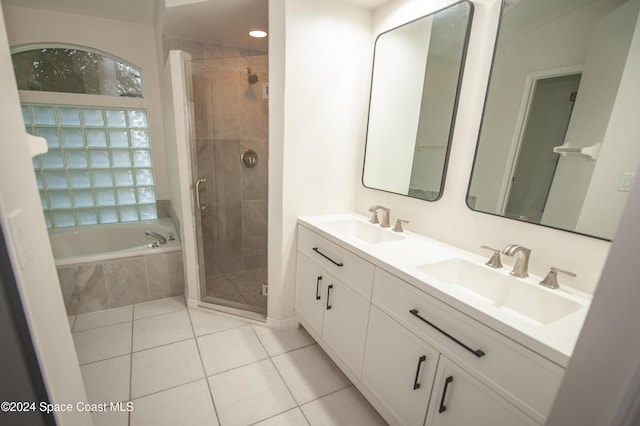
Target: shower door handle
x,y
198,203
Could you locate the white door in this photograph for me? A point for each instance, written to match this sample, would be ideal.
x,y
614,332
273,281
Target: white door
x,y
345,323
310,294
399,368
459,399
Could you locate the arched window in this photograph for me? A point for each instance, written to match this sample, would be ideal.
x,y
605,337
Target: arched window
x,y
89,108
72,70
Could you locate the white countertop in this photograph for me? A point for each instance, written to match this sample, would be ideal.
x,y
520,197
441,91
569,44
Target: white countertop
x,y
554,340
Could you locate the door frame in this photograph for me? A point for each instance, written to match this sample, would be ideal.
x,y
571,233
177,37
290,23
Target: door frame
x,y
531,80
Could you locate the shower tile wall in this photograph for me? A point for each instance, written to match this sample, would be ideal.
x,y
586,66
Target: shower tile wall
x,y
230,116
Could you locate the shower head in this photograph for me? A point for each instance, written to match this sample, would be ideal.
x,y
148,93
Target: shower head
x,y
252,77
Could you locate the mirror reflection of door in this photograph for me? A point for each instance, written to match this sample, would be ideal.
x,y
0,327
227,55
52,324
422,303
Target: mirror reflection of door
x,y
545,127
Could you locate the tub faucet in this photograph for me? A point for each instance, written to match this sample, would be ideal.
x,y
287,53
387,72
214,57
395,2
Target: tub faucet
x,y
384,220
158,237
522,259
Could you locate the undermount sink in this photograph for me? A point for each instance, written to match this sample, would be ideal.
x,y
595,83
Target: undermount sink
x,y
366,232
502,291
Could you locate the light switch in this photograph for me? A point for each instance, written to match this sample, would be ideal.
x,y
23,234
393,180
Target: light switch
x,y
626,182
20,238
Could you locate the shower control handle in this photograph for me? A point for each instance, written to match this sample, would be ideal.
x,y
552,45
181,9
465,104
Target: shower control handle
x,y
197,188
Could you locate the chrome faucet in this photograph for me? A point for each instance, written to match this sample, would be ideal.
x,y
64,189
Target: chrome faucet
x,y
522,254
384,220
158,237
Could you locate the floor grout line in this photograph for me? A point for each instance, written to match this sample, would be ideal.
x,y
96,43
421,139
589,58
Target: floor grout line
x,y
204,370
167,389
100,326
133,318
131,364
281,378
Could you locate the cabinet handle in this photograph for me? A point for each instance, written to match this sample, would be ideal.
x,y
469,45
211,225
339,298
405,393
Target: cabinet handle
x,y
329,287
422,359
443,407
318,288
327,257
476,352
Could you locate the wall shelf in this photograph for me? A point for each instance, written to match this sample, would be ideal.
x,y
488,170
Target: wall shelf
x,y
588,152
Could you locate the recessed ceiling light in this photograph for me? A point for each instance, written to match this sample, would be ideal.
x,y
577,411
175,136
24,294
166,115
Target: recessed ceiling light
x,y
258,33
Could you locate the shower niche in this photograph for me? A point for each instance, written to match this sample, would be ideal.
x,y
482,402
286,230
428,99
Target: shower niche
x,y
230,116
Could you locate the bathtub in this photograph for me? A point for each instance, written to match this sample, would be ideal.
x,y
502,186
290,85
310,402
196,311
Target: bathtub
x,y
113,241
110,266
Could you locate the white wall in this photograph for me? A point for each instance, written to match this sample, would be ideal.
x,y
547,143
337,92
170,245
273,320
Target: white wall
x,y
313,122
604,65
180,132
620,150
135,43
449,219
38,280
602,382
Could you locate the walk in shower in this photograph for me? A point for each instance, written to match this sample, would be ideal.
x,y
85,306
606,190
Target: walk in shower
x,y
229,171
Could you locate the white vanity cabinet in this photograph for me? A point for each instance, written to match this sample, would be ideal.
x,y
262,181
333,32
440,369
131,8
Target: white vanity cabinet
x,y
333,292
418,360
516,373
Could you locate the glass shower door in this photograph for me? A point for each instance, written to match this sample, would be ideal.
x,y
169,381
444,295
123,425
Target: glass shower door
x,y
230,151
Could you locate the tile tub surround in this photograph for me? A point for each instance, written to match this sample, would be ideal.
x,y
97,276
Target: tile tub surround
x,y
231,371
94,286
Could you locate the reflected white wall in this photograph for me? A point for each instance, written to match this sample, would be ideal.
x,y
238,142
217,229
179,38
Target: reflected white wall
x,y
396,96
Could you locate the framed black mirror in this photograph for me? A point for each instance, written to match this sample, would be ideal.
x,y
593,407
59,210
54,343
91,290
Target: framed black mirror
x,y
557,146
417,72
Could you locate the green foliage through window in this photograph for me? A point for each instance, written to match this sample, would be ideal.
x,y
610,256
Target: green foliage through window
x,y
75,71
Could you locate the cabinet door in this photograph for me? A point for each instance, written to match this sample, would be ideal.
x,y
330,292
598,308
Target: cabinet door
x,y
460,399
399,369
310,293
345,323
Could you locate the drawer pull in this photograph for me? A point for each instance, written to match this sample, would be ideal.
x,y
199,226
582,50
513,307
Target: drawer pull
x,y
329,287
476,352
318,288
422,359
327,257
443,407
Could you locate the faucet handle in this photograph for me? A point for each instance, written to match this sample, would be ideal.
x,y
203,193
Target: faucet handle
x,y
551,280
495,261
398,226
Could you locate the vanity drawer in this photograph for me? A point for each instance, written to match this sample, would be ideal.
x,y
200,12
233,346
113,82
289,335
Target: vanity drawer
x,y
518,374
344,265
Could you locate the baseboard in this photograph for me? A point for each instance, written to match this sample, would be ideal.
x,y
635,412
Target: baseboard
x,y
284,324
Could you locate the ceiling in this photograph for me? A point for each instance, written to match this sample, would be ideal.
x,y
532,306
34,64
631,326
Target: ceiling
x,y
225,22
218,21
138,11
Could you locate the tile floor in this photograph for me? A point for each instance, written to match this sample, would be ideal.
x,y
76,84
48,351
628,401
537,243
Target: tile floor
x,y
181,366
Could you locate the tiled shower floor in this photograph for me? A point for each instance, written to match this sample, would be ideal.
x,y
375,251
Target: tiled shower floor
x,y
243,289
189,367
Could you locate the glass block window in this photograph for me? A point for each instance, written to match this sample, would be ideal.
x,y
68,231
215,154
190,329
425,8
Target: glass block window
x,y
73,70
98,168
